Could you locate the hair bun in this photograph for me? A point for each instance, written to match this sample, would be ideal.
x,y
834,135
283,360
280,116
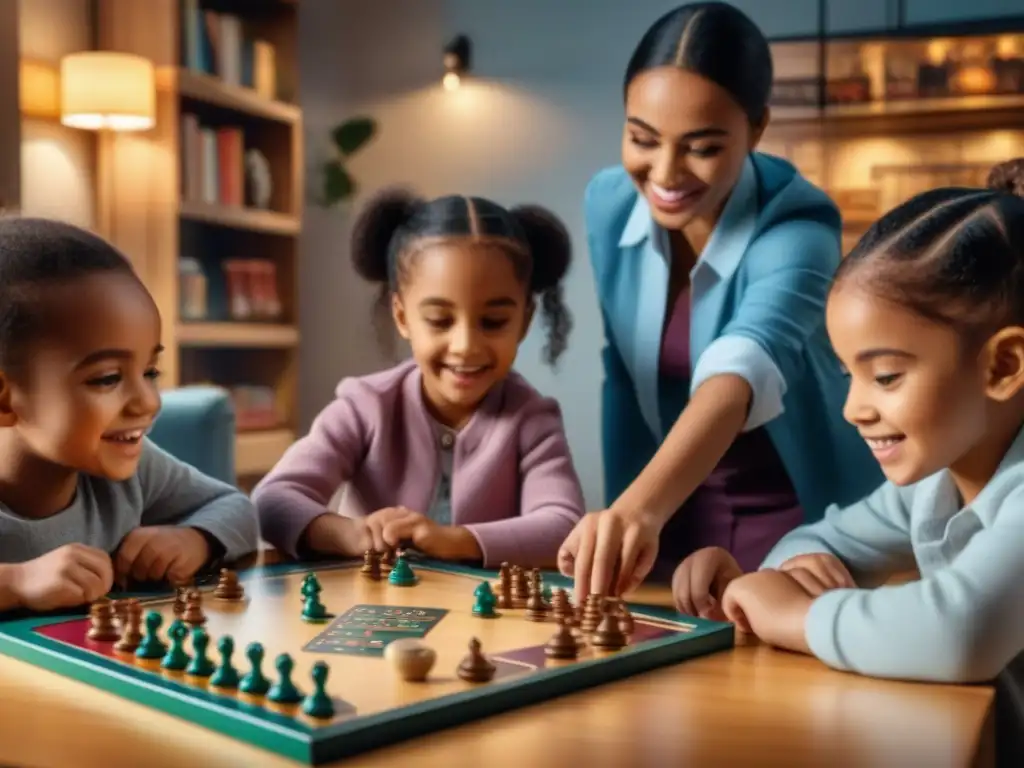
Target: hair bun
x,y
382,216
549,243
1008,177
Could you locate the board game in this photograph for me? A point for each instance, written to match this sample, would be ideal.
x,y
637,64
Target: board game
x,y
295,659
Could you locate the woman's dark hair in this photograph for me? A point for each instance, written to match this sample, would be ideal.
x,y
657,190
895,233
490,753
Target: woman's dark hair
x,y
36,254
396,224
717,42
953,255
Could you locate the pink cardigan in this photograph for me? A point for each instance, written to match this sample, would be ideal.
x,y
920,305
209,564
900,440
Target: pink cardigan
x,y
513,482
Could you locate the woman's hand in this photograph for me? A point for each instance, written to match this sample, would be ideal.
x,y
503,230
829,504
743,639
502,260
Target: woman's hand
x,y
610,552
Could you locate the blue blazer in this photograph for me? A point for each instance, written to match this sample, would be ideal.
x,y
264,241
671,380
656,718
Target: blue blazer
x,y
758,296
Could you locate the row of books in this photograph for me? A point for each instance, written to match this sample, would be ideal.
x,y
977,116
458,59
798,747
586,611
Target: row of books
x,y
243,290
219,44
212,163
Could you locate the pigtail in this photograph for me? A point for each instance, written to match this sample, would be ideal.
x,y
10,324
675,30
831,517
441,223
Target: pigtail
x,y
551,250
374,246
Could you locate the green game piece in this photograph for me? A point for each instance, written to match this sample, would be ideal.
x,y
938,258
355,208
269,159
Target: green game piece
x,y
401,574
152,647
226,675
200,666
176,658
255,683
485,601
318,704
284,690
313,610
310,586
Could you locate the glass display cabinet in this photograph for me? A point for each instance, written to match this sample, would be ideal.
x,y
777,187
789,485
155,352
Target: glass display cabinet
x,y
876,118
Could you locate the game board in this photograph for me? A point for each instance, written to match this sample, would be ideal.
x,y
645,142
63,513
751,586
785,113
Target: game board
x,y
373,706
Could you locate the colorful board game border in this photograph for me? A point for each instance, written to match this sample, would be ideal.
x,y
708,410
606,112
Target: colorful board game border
x,y
294,739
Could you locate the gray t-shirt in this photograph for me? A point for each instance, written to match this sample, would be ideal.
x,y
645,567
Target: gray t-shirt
x,y
163,491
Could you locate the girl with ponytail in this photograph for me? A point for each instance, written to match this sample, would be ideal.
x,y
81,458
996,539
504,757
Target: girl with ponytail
x,y
450,452
927,316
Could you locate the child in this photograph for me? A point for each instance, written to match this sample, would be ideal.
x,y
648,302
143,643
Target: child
x,y
450,451
85,499
927,313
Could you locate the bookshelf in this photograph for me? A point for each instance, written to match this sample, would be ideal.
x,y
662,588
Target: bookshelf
x,y
209,203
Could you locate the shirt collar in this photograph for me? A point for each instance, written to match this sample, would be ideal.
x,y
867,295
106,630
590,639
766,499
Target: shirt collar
x,y
728,241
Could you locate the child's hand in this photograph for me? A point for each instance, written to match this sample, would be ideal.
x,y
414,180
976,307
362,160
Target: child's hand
x,y
700,581
161,553
772,605
818,573
377,522
64,578
445,542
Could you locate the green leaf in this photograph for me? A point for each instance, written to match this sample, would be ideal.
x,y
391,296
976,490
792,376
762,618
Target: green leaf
x,y
338,184
353,134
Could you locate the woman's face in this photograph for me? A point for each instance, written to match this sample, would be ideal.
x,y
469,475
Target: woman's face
x,y
684,144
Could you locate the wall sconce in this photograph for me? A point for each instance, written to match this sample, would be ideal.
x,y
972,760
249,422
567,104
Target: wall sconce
x,y
456,62
101,90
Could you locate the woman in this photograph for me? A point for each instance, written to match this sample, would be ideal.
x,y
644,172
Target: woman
x,y
722,403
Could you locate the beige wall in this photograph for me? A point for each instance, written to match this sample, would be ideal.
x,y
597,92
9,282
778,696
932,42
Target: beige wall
x,y
57,163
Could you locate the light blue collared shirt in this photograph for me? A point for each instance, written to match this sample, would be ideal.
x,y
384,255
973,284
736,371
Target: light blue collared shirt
x,y
719,260
963,621
757,311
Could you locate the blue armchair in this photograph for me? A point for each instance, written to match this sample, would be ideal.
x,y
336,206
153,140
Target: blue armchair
x,y
197,425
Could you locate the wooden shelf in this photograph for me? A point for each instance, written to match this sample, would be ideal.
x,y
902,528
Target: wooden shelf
x,y
910,116
251,335
212,90
256,453
250,219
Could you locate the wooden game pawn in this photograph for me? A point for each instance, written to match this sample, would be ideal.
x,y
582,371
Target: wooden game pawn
x,y
505,586
120,612
476,668
371,565
535,580
608,636
194,615
559,604
626,622
180,600
520,587
592,613
131,632
101,617
228,588
536,609
562,644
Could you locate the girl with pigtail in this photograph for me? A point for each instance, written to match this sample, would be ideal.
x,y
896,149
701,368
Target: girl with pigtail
x,y
450,451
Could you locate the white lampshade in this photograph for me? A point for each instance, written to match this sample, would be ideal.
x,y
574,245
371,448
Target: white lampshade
x,y
104,90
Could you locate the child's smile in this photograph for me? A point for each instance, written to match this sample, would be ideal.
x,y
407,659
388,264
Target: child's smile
x,y
463,310
89,394
916,393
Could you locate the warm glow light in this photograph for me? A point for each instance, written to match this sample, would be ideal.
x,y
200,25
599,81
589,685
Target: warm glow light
x,y
104,90
451,81
38,89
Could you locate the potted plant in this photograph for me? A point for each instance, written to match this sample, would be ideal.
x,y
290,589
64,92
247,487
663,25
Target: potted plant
x,y
347,138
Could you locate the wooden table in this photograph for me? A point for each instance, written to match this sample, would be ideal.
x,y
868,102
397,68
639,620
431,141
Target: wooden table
x,y
752,706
